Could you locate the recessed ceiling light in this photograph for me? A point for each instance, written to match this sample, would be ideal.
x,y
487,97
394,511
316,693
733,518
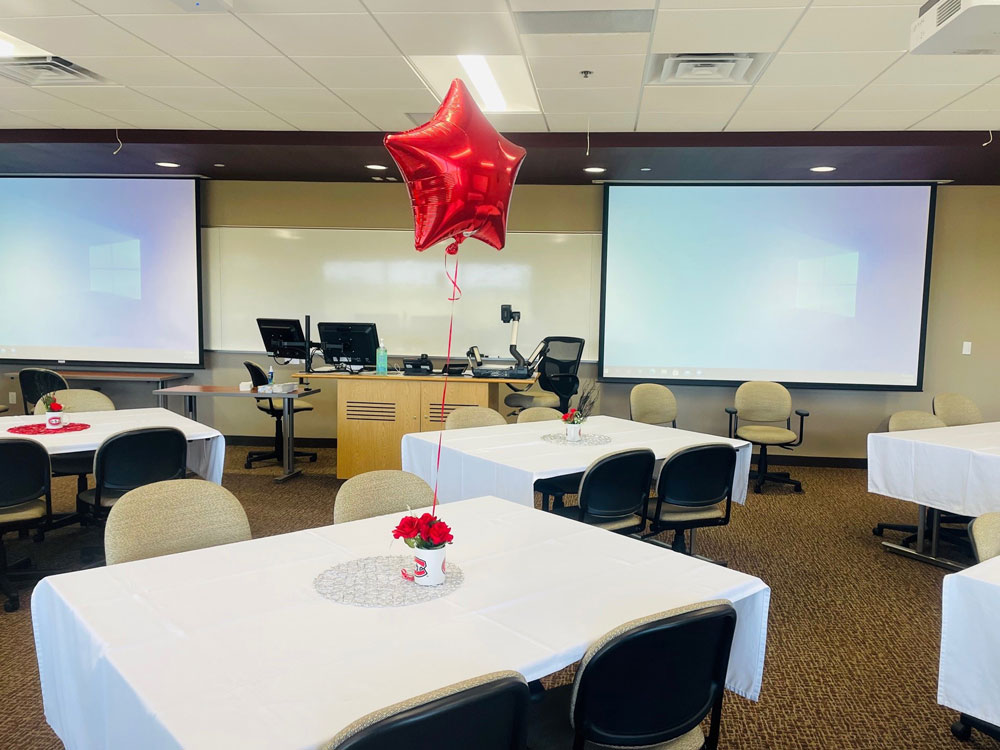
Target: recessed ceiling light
x,y
391,179
377,179
168,164
376,167
218,165
484,81
822,169
594,170
645,169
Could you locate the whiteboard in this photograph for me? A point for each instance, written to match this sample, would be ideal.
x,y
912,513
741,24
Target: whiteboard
x,y
375,275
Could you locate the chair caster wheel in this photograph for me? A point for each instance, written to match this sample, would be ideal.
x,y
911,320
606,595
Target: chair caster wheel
x,y
876,531
961,731
247,465
312,459
798,488
758,490
12,605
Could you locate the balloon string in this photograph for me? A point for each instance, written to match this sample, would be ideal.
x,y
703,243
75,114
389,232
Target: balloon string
x,y
456,294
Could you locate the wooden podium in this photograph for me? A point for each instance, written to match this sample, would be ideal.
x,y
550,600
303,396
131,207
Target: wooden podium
x,y
375,411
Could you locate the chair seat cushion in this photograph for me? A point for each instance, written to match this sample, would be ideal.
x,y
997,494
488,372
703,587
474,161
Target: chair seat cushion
x,y
22,511
532,397
297,406
765,434
108,497
611,524
681,514
70,464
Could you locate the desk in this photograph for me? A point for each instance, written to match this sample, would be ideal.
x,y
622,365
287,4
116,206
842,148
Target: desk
x,y
375,411
206,446
231,647
193,392
507,460
160,378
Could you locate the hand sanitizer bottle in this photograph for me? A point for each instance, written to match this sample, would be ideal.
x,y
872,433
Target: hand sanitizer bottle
x,y
270,375
381,359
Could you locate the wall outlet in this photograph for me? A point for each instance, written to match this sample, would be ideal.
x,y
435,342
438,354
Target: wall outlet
x,y
966,347
12,397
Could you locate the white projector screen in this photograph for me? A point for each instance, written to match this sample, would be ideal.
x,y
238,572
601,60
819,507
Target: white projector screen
x,y
100,271
809,285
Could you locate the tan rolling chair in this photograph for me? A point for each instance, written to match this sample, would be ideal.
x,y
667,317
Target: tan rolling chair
x,y
913,419
538,414
473,416
954,409
173,516
73,400
3,408
762,401
985,535
274,409
378,493
651,403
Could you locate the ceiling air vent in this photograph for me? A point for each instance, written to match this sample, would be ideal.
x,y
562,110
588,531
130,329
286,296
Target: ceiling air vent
x,y
706,68
947,9
46,71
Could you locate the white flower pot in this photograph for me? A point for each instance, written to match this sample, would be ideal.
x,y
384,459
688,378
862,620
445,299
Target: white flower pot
x,y
428,566
53,420
573,432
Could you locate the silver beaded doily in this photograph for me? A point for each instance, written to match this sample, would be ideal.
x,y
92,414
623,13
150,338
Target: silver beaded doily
x,y
377,582
586,438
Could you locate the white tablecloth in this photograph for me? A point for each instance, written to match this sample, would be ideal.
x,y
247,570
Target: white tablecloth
x,y
206,446
506,460
969,674
956,469
231,647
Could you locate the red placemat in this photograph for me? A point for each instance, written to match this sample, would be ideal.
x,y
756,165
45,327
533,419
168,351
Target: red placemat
x,y
41,429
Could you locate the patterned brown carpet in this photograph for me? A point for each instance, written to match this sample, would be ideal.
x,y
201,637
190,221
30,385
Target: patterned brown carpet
x,y
852,640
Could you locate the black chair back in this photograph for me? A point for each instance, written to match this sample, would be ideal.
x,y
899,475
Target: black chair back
x,y
486,717
558,368
617,485
25,471
36,382
139,457
657,681
258,377
698,477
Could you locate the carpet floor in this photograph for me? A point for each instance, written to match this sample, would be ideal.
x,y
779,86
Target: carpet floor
x,y
853,635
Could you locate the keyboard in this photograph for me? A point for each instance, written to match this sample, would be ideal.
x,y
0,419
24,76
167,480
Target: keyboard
x,y
518,373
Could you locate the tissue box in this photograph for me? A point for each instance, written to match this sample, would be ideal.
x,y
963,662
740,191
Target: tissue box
x,y
283,387
247,386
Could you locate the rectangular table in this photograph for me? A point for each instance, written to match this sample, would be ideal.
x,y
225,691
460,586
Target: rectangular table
x,y
507,460
127,376
193,392
206,446
969,674
233,647
953,469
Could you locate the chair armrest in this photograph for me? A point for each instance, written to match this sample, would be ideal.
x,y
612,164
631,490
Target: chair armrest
x,y
730,410
802,412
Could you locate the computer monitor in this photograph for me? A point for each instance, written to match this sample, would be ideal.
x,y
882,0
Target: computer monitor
x,y
349,343
283,337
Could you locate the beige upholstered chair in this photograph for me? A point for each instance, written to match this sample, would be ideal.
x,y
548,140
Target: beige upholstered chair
x,y
653,404
3,408
912,419
985,535
760,402
473,416
538,414
954,409
173,516
377,493
79,399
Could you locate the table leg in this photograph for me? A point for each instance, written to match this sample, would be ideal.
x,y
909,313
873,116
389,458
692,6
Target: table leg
x,y
921,527
917,553
161,398
935,518
190,406
288,427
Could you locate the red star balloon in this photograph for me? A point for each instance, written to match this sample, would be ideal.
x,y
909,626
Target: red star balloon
x,y
460,173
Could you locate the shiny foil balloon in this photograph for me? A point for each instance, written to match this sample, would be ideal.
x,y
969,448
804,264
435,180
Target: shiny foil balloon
x,y
460,173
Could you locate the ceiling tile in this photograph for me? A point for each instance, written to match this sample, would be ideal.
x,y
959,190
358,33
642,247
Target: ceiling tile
x,y
518,122
873,119
681,122
294,99
196,34
853,29
243,120
380,102
68,36
199,98
826,68
362,72
14,120
104,97
110,7
608,71
435,6
34,8
162,119
74,118
601,122
299,6
389,120
904,96
326,120
541,5
589,100
144,71
729,4
820,3
678,99
985,97
761,30
251,71
568,45
942,69
776,98
948,119
452,33
26,97
776,121
322,34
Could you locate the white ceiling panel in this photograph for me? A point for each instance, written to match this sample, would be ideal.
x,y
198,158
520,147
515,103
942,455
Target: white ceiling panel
x,y
298,6
821,3
924,69
144,71
162,119
538,5
197,34
872,119
111,7
517,122
104,97
77,35
305,34
362,72
983,98
25,97
600,122
776,121
452,33
243,120
948,119
326,120
730,4
681,122
608,71
853,29
199,98
75,118
251,71
677,99
826,68
34,8
391,121
384,101
294,99
14,120
738,30
437,6
589,100
907,97
777,98
568,45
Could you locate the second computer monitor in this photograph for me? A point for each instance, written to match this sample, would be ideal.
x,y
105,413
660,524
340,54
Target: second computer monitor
x,y
282,337
349,343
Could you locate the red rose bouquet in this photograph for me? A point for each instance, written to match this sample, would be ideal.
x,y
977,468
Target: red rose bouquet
x,y
426,532
50,403
585,406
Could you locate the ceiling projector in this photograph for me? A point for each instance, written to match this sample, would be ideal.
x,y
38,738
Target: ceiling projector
x,y
957,27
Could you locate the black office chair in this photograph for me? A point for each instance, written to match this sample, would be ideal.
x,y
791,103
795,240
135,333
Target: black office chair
x,y
131,459
614,492
649,682
695,490
35,383
25,502
557,376
273,409
485,713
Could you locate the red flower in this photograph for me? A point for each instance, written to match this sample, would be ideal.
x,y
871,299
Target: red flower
x,y
569,415
439,533
407,528
55,406
424,524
